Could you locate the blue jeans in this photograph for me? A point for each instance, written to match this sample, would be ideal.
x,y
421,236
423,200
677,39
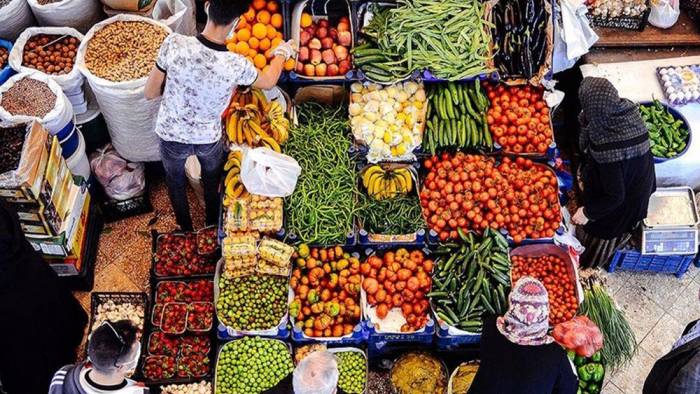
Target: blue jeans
x,y
211,158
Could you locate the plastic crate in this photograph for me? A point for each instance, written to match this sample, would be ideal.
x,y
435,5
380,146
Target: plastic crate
x,y
378,343
358,336
445,341
632,260
98,298
113,210
223,334
623,22
211,259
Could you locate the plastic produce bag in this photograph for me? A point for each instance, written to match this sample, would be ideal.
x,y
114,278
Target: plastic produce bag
x,y
573,36
14,18
664,13
121,180
579,334
268,173
177,15
317,373
78,14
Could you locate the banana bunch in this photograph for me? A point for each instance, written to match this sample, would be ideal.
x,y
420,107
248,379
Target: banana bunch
x,y
252,120
233,188
382,184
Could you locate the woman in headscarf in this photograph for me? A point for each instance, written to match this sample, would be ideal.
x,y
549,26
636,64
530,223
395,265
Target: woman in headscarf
x,y
516,355
617,175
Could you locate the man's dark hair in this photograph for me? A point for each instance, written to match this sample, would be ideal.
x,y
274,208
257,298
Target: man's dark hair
x,y
110,344
223,12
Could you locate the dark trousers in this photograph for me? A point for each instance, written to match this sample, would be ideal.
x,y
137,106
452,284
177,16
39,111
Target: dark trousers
x,y
211,157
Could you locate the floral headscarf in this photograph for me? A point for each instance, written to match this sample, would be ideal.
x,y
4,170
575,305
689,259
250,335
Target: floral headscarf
x,y
527,320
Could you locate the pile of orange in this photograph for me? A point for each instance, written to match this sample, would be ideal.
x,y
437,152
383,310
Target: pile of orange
x,y
258,32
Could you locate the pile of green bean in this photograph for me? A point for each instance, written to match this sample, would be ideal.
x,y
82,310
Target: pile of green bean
x,y
391,216
322,207
447,37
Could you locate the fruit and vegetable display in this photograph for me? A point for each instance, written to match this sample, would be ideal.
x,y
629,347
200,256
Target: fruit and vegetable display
x,y
352,366
619,342
180,291
324,48
462,377
456,118
591,373
398,215
252,365
28,96
274,257
265,213
202,387
50,53
470,192
114,310
258,32
668,136
11,144
471,280
176,356
518,118
240,254
252,302
610,9
386,183
207,240
520,36
389,120
396,283
680,84
253,120
580,335
322,208
326,285
177,254
557,276
124,50
448,38
236,216
419,373
174,318
183,306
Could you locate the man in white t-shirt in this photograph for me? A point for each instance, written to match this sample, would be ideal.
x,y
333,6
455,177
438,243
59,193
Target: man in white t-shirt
x,y
196,77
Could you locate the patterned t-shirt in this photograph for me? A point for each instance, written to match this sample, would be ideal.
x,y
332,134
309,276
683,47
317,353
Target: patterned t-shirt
x,y
201,76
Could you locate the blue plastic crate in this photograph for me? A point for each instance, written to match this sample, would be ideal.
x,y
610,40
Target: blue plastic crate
x,y
358,336
632,260
377,342
445,341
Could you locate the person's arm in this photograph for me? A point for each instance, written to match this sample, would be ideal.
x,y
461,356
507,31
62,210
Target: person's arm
x,y
154,84
268,79
613,192
688,378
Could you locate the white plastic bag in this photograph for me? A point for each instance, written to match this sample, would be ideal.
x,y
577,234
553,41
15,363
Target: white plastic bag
x,y
14,18
664,13
129,116
573,36
177,15
268,173
317,373
79,14
121,180
71,83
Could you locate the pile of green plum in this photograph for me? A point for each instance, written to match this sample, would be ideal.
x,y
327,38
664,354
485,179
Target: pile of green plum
x,y
353,370
252,365
252,302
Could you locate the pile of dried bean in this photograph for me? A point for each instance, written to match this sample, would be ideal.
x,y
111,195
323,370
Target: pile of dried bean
x,y
11,141
124,51
28,97
4,54
57,58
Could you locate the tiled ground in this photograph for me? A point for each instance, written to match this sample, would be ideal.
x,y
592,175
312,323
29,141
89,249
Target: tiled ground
x,y
658,306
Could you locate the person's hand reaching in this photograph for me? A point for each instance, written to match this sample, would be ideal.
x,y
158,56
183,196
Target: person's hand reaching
x,y
579,217
286,49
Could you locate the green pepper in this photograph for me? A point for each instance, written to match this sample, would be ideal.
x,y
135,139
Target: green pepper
x,y
593,389
582,384
583,373
579,361
596,357
598,372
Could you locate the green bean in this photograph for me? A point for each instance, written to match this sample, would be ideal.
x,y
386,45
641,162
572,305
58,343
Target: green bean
x,y
393,216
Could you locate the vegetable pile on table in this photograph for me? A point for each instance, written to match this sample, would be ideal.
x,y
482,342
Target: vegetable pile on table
x,y
591,373
471,280
181,306
519,36
177,255
457,118
668,136
557,277
398,281
519,118
252,302
252,365
470,192
323,49
448,37
182,356
352,366
253,120
326,285
322,207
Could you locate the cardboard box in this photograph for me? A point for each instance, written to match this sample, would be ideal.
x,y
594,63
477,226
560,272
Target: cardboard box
x,y
23,185
73,262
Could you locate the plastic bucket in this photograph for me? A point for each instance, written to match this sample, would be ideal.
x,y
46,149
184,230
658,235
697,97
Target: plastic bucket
x,y
71,143
7,71
78,163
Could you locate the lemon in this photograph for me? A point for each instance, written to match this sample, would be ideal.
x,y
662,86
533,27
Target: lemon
x,y
387,137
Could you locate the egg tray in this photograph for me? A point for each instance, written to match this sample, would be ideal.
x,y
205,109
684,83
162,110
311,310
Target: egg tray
x,y
695,69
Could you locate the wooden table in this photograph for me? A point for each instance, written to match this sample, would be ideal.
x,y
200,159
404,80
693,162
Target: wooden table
x,y
684,33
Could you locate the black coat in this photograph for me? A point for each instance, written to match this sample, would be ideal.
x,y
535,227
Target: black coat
x,y
678,372
509,368
616,195
42,323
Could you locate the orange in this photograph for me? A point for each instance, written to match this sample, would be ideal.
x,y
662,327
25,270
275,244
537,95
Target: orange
x,y
252,52
243,35
289,64
254,43
259,30
276,20
250,58
279,35
259,61
271,32
259,4
275,41
306,20
263,17
241,23
250,14
242,47
272,6
264,44
231,47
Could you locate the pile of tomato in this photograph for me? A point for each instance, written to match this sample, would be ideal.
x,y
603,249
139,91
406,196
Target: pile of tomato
x,y
518,118
470,192
554,274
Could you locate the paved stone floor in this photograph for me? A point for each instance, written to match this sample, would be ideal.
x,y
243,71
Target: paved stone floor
x,y
658,306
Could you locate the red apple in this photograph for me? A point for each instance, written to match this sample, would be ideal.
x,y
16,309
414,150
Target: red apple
x,y
323,23
309,70
344,19
329,56
322,32
333,70
344,38
316,57
315,43
303,54
343,26
321,70
304,37
344,66
299,68
327,43
340,52
333,33
311,30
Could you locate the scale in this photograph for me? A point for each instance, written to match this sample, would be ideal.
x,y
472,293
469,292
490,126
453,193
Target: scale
x,y
667,238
